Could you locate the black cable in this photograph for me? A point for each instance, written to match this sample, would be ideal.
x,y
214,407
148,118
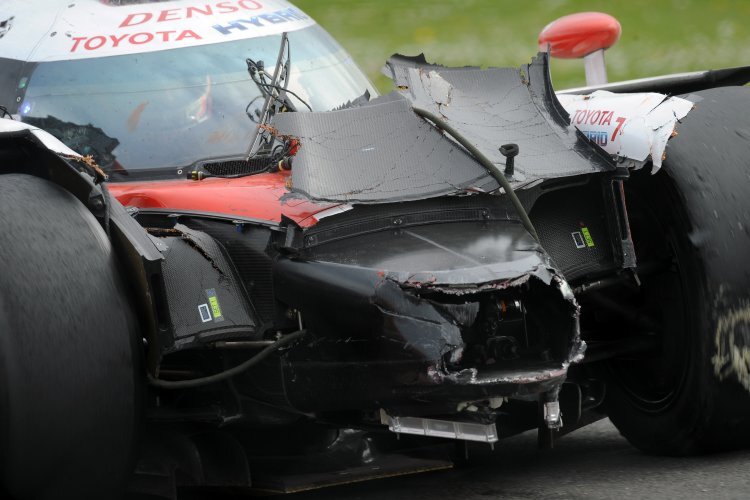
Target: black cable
x,y
257,74
231,372
487,164
267,86
290,92
247,108
4,112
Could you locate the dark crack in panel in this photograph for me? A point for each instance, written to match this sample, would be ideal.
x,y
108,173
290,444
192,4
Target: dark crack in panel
x,y
500,106
376,153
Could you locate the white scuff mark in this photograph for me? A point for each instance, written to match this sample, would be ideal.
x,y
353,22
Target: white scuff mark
x,y
732,353
438,88
630,126
335,210
49,141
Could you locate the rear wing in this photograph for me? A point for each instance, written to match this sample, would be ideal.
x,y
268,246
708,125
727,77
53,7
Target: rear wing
x,y
674,84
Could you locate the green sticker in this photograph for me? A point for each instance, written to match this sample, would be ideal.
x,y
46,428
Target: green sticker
x,y
587,237
213,301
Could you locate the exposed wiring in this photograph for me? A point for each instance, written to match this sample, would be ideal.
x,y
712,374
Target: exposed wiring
x,y
285,103
487,164
258,74
5,113
249,105
227,374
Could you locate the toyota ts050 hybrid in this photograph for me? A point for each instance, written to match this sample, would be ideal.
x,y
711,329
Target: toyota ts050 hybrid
x,y
227,262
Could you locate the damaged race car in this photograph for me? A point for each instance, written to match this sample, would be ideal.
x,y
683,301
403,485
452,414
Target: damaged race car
x,y
227,262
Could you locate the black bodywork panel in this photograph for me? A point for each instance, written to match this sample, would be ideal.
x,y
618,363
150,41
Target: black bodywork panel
x,y
24,153
497,106
366,218
381,152
378,153
205,297
573,227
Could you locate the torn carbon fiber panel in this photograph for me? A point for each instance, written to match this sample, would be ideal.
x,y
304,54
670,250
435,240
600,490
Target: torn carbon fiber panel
x,y
377,153
419,319
497,106
382,152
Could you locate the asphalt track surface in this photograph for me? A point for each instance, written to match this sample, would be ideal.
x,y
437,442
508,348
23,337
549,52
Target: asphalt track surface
x,y
594,462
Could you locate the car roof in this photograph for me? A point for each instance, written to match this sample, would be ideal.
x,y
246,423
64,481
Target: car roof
x,y
53,30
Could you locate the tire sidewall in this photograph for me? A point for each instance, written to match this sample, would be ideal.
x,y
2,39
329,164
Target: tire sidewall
x,y
68,360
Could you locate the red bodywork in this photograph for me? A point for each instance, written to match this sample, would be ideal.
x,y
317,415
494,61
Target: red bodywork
x,y
251,197
577,35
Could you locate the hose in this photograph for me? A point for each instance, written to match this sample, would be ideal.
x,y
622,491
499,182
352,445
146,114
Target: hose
x,y
487,164
231,372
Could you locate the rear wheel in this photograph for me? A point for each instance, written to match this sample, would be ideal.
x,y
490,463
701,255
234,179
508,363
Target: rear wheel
x,y
691,393
68,383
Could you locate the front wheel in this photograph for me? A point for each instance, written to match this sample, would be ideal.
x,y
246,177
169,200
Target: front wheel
x,y
691,393
68,380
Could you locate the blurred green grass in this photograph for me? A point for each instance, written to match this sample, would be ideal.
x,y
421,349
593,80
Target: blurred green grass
x,y
658,36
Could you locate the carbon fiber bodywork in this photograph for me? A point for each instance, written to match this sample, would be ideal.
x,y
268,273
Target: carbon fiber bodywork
x,y
380,152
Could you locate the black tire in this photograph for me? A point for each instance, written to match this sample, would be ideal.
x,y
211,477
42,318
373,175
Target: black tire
x,y
68,381
694,395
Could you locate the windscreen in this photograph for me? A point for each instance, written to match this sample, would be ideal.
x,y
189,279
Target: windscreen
x,y
156,113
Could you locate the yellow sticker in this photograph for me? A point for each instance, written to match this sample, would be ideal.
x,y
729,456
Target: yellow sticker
x,y
215,309
587,237
213,301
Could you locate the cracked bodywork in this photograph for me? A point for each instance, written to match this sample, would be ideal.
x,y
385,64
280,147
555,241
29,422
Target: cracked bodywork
x,y
380,152
377,153
498,106
199,278
424,307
